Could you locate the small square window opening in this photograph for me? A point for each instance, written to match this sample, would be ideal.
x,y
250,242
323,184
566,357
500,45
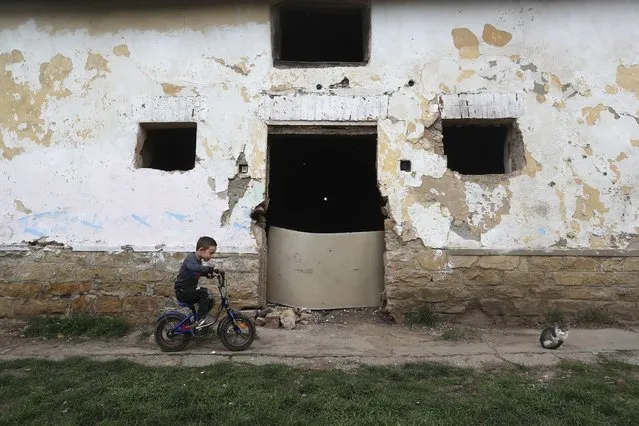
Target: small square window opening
x,y
166,146
483,146
405,165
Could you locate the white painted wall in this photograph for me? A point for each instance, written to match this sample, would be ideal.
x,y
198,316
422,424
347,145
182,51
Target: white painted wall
x,y
78,186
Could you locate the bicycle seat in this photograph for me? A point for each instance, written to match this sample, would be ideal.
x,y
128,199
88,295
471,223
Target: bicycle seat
x,y
186,305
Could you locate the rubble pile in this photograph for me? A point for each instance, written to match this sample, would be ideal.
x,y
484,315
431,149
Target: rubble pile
x,y
280,317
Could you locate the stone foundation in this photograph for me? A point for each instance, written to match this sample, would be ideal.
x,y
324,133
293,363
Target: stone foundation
x,y
450,282
456,282
129,284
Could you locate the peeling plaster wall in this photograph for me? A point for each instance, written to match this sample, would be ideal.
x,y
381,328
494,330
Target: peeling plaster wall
x,y
73,87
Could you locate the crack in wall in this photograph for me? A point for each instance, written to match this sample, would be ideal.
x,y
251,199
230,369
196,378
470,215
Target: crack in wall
x,y
238,186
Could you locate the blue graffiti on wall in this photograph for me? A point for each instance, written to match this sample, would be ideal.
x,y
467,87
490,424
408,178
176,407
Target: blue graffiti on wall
x,y
177,216
139,219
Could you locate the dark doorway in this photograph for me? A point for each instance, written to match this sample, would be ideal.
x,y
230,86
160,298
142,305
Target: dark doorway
x,y
324,183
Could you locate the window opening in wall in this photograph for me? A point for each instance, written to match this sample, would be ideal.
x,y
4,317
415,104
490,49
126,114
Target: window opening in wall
x,y
483,146
320,34
166,146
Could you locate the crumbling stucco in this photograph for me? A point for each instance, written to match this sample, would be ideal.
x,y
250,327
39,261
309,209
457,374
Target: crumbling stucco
x,y
74,85
21,106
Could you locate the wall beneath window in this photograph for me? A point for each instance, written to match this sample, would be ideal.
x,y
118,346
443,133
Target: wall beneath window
x,y
75,83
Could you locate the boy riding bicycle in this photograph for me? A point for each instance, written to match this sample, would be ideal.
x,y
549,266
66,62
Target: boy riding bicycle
x,y
186,283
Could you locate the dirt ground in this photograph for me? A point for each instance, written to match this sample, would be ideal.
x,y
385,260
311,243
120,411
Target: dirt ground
x,y
343,339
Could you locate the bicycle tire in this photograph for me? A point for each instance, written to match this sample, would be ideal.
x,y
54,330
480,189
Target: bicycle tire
x,y
226,331
170,342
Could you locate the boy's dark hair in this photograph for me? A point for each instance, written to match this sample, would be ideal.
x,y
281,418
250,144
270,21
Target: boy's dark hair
x,y
205,242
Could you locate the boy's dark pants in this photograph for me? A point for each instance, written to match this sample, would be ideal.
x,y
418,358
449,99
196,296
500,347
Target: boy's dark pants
x,y
192,296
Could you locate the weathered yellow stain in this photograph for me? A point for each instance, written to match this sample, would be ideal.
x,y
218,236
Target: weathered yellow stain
x,y
495,37
515,58
389,157
9,153
207,148
532,166
96,62
407,202
241,68
84,134
444,88
410,127
281,87
555,81
622,156
465,74
575,226
588,150
634,142
258,134
375,78
390,163
615,170
245,94
628,78
520,74
562,204
611,90
171,89
466,42
46,139
121,50
593,114
52,73
559,104
21,208
21,107
589,204
541,98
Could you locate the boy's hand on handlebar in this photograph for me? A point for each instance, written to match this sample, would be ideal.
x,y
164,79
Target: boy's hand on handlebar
x,y
212,272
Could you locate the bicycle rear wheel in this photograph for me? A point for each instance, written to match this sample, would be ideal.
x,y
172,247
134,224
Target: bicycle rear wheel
x,y
165,336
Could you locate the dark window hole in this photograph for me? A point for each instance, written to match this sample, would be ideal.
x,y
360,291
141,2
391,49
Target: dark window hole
x,y
321,34
480,147
166,146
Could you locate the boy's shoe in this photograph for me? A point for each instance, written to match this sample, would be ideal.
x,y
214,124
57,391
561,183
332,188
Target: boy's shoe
x,y
203,323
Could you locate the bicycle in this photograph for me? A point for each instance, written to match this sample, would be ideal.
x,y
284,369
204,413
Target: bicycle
x,y
174,329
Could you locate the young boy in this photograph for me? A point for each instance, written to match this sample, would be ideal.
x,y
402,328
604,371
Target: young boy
x,y
186,283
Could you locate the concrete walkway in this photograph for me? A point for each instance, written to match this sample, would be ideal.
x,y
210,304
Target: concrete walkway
x,y
346,346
